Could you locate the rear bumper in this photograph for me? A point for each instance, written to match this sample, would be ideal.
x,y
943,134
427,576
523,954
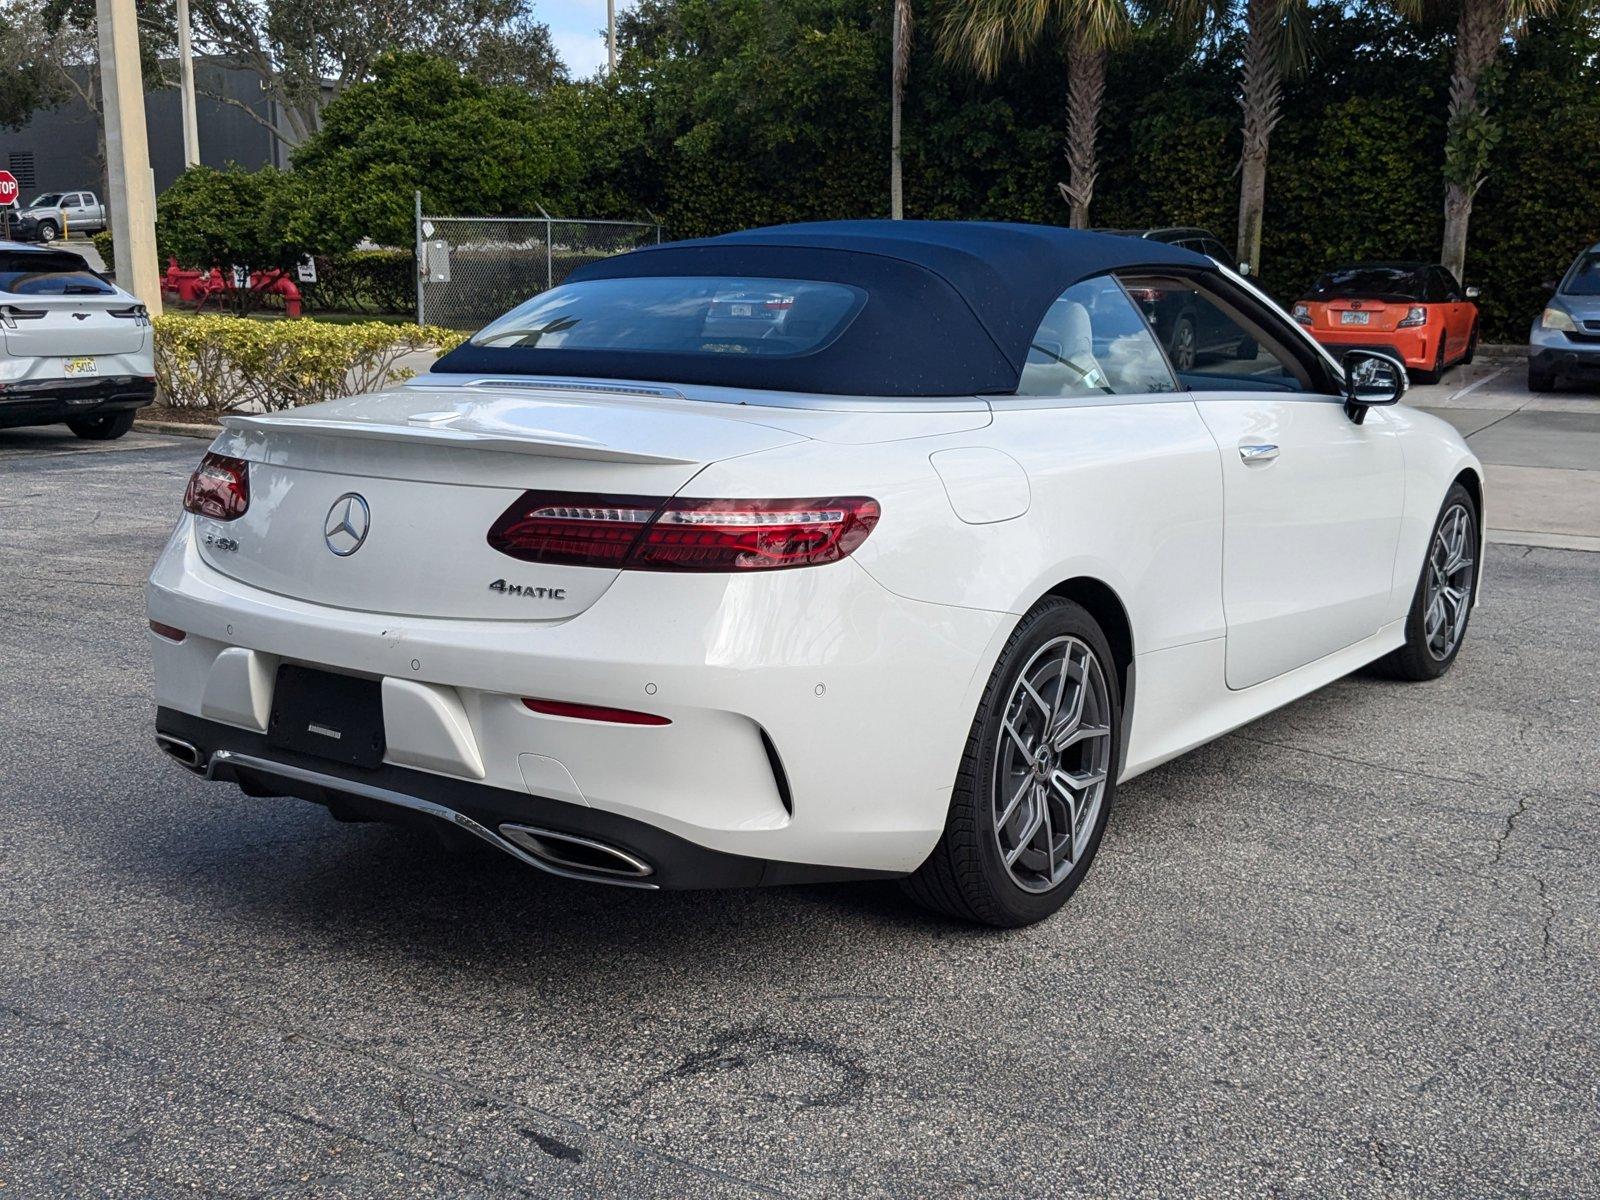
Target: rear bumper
x,y
46,401
816,718
499,816
1413,347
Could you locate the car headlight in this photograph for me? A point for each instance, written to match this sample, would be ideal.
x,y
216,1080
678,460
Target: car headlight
x,y
1415,315
1302,313
1555,318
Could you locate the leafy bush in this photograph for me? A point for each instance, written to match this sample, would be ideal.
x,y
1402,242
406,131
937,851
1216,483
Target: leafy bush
x,y
252,219
104,248
218,364
379,281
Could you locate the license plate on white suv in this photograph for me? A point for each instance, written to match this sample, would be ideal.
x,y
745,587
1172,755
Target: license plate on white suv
x,y
1354,318
80,366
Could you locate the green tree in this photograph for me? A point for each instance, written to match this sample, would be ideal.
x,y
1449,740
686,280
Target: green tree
x,y
238,218
986,33
1482,29
310,51
422,125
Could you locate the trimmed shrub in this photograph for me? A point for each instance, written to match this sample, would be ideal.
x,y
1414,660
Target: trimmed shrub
x,y
104,248
376,281
219,364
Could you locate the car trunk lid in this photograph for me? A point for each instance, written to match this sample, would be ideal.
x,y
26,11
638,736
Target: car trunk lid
x,y
71,326
420,476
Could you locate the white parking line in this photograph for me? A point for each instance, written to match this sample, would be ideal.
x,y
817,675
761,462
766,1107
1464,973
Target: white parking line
x,y
1474,386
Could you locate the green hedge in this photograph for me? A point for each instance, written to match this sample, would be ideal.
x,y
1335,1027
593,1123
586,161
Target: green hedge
x,y
217,364
364,281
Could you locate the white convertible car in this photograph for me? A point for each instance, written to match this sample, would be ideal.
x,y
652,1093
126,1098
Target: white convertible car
x,y
845,550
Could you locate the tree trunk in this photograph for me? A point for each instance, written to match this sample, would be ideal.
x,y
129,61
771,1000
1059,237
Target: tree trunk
x,y
1261,99
1086,86
901,63
1478,33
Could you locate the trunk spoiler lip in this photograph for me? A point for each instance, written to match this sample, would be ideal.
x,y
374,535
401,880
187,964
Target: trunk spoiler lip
x,y
546,443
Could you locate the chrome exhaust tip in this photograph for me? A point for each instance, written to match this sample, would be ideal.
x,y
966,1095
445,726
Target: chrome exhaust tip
x,y
182,752
577,855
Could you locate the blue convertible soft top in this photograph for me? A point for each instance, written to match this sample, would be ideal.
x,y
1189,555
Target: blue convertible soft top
x,y
951,305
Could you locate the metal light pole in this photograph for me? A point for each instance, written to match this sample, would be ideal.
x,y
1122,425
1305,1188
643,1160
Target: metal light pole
x,y
133,189
611,33
191,119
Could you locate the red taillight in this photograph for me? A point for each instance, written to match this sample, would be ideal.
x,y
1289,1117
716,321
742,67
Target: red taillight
x,y
171,632
592,712
219,488
638,533
1145,295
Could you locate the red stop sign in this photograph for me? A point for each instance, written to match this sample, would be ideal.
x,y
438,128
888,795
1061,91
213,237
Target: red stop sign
x,y
8,188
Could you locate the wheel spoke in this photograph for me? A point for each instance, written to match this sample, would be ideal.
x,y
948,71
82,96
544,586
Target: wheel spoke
x,y
1004,818
1083,733
1019,741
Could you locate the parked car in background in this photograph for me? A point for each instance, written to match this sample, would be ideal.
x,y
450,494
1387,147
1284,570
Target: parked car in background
x,y
1565,340
1192,333
77,348
1413,310
851,549
55,214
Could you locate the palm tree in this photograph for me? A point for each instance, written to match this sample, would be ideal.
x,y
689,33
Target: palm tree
x,y
897,93
984,34
1275,43
1482,27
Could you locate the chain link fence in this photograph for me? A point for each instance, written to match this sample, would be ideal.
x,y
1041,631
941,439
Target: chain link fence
x,y
470,270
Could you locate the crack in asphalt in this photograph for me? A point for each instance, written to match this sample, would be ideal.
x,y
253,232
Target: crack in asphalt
x,y
626,1147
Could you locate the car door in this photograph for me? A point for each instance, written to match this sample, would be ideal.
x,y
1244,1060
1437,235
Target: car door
x,y
1312,501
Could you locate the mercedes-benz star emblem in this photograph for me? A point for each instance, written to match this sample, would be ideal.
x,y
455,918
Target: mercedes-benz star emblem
x,y
347,524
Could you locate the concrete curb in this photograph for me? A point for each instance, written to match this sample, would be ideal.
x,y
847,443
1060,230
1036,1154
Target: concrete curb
x,y
1502,350
181,429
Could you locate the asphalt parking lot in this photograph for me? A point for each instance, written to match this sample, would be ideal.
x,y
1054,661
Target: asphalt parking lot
x,y
1349,950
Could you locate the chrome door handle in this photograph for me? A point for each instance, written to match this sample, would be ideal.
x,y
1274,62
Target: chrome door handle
x,y
1262,452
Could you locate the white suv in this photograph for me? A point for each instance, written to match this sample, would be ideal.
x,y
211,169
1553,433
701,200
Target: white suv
x,y
78,349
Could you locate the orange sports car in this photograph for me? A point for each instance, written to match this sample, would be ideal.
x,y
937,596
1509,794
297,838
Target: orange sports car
x,y
1414,311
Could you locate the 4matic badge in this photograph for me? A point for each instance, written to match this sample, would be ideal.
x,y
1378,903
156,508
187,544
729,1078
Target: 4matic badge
x,y
527,590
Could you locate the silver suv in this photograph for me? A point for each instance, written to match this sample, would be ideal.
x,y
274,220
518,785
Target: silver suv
x,y
78,349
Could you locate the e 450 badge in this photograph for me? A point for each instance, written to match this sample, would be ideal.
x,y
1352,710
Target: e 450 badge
x,y
527,590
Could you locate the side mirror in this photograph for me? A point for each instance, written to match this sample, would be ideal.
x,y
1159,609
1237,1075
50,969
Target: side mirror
x,y
1371,378
1550,285
1473,293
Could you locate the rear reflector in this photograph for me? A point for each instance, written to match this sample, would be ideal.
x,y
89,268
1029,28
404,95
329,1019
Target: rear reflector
x,y
642,533
592,712
219,488
170,632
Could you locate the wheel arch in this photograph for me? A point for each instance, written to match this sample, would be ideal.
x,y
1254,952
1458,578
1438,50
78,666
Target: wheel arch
x,y
1471,479
1101,602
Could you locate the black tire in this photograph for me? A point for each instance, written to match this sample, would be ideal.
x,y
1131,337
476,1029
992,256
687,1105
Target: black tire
x,y
49,231
1472,345
1184,348
1437,372
1248,351
106,428
1415,660
1540,380
965,877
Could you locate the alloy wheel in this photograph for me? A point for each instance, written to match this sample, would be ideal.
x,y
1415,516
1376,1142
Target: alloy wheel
x,y
1053,761
1183,346
1448,596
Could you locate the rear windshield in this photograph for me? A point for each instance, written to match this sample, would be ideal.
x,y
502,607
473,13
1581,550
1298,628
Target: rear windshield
x,y
1584,278
48,200
772,318
49,273
1404,283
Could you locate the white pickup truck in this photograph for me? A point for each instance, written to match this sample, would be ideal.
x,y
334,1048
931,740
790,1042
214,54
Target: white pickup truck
x,y
56,213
